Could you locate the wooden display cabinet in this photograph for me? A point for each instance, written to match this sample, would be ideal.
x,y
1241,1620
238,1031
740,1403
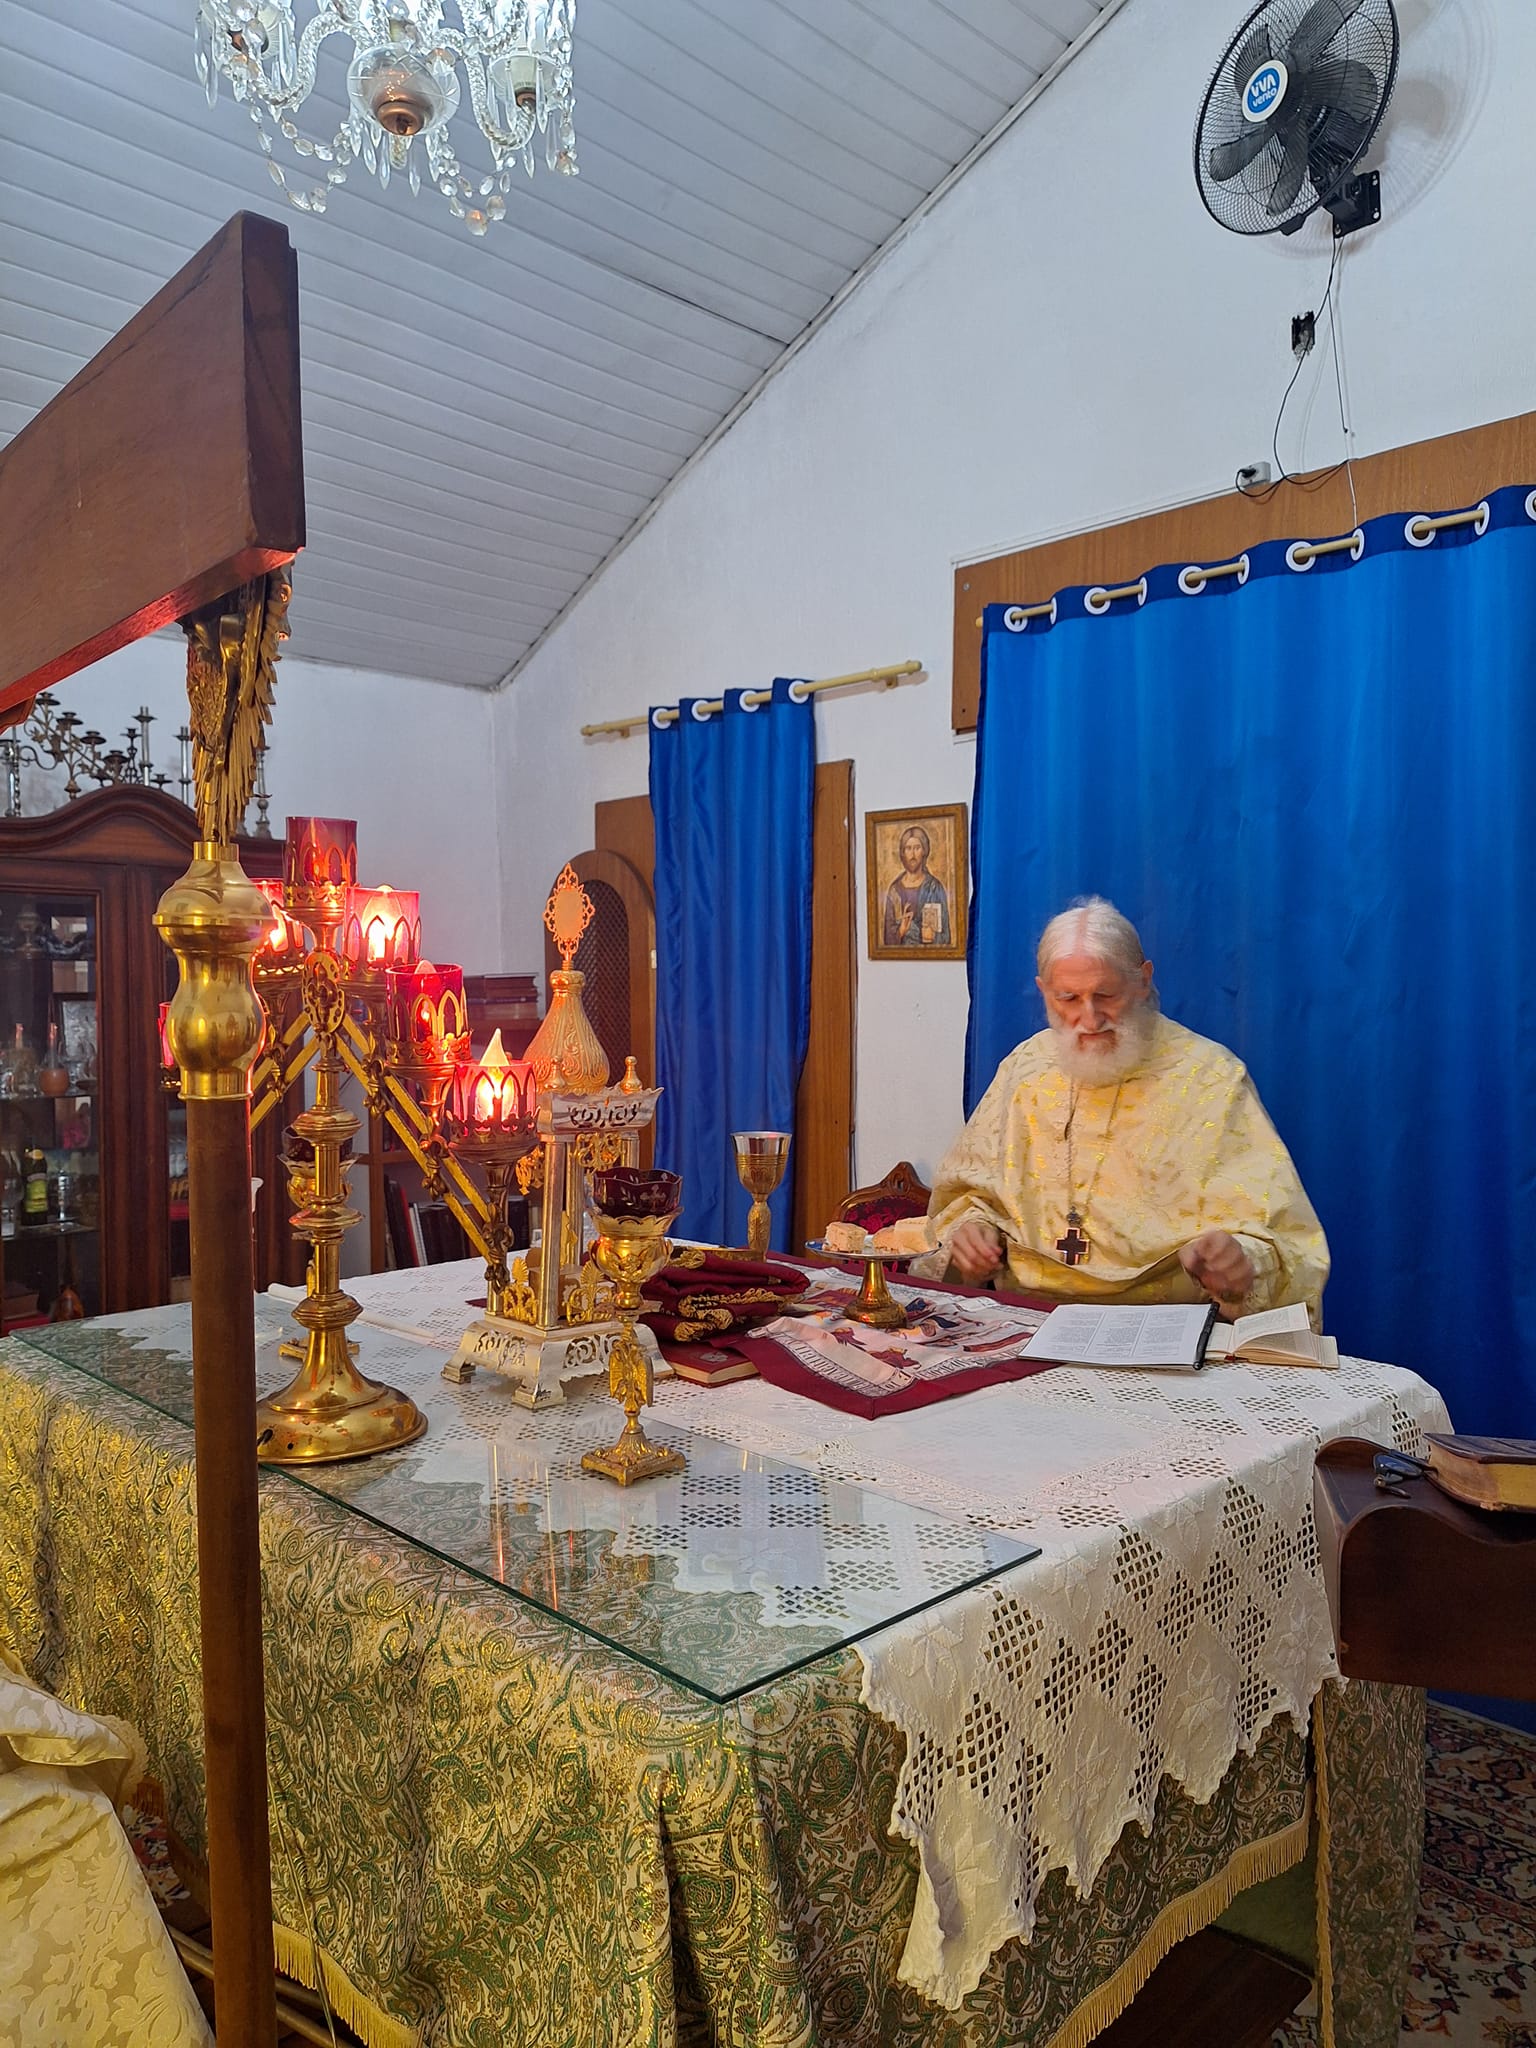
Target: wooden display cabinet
x,y
78,949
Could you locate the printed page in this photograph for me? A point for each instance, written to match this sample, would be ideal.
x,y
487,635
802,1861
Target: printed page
x,y
1268,1323
1081,1333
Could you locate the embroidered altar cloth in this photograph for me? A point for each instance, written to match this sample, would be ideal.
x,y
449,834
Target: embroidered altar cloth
x,y
1176,1609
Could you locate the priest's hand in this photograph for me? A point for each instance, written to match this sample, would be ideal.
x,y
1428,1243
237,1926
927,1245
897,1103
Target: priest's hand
x,y
1217,1262
977,1251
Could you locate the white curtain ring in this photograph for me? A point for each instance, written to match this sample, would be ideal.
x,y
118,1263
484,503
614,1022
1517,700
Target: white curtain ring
x,y
1014,620
1192,580
663,715
1244,565
1096,600
1480,523
1295,559
1357,544
744,701
697,714
1141,591
1416,539
798,693
1530,504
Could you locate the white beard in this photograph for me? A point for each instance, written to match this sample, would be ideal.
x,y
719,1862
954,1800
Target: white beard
x,y
1089,1067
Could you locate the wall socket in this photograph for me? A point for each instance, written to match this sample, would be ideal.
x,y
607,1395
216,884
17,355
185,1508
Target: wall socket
x,y
1303,334
1252,475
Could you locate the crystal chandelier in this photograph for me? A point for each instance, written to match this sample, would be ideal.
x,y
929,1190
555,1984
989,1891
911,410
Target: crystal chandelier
x,y
403,89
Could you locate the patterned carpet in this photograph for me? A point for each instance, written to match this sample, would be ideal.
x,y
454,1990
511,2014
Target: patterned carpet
x,y
1474,1966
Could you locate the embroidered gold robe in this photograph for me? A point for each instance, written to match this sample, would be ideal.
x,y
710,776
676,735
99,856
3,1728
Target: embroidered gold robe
x,y
1186,1147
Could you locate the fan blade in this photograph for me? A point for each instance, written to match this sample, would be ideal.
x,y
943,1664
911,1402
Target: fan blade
x,y
1347,85
1228,158
1292,170
1316,30
1251,56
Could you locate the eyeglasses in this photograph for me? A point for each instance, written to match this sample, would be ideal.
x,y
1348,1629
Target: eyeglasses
x,y
1391,1468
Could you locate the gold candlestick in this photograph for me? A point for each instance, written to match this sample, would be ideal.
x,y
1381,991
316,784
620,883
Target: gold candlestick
x,y
761,1157
328,1411
631,1246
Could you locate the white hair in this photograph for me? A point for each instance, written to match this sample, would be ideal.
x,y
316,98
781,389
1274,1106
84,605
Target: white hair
x,y
1092,926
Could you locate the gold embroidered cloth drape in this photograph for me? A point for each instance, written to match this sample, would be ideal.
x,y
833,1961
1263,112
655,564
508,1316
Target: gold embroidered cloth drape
x,y
480,1814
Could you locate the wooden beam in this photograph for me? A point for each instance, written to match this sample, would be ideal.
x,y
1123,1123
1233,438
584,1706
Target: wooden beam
x,y
1425,476
169,471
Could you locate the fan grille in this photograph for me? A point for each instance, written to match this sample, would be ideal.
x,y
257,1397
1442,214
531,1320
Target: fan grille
x,y
1338,60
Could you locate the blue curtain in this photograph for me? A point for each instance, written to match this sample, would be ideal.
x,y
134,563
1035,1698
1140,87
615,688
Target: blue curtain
x,y
1314,791
733,796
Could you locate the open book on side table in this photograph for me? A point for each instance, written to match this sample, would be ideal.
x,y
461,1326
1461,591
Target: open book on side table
x,y
1175,1338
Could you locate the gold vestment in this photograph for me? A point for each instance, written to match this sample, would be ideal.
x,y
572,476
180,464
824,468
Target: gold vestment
x,y
1185,1146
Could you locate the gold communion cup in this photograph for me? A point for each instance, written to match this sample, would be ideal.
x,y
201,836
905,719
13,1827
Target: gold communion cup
x,y
761,1157
633,1208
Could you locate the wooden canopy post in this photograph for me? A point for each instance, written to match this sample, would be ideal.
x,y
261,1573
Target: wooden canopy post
x,y
164,483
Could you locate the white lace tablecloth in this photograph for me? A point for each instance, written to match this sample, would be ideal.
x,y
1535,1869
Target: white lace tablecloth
x,y
1175,1611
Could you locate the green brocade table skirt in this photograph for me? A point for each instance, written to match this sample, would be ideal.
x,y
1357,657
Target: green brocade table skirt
x,y
487,1829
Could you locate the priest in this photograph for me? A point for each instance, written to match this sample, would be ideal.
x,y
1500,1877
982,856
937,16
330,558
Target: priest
x,y
1119,1157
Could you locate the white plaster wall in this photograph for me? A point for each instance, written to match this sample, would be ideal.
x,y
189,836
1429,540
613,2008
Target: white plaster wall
x,y
1066,340
413,762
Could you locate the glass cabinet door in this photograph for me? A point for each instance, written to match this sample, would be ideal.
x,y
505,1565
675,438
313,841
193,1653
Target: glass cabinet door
x,y
50,1161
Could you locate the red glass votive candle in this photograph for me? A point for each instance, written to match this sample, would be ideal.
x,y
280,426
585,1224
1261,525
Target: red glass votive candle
x,y
381,929
283,945
167,1057
424,1012
320,863
631,1191
493,1096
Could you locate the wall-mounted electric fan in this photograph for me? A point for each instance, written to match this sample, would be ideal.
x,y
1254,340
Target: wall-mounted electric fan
x,y
1292,106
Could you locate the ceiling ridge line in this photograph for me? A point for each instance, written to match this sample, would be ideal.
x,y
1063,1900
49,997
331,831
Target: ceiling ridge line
x,y
839,298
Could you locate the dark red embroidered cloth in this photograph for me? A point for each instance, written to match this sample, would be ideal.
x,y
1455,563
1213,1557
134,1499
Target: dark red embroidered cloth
x,y
958,1339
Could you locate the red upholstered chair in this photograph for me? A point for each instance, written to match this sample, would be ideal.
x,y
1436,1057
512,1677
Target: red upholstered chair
x,y
900,1194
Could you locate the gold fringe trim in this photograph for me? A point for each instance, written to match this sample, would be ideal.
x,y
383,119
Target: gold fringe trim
x,y
1324,1915
295,1953
296,1956
1181,1917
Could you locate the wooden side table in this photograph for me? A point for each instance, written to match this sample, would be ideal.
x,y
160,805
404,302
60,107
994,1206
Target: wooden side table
x,y
1424,1591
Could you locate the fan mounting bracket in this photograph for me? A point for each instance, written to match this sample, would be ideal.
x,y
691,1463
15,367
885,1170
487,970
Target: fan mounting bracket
x,y
1356,204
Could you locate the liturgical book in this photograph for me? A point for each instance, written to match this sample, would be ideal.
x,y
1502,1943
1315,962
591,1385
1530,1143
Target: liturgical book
x,y
1485,1471
1176,1338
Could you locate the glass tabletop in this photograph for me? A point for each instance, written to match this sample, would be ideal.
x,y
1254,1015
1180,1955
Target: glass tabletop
x,y
723,1577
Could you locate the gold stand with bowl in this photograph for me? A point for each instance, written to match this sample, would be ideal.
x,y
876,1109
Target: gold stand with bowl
x,y
633,1208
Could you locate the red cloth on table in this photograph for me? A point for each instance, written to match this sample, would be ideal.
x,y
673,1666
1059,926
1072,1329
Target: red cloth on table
x,y
705,1296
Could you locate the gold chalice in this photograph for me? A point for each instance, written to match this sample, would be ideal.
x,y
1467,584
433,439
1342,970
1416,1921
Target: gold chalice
x,y
633,1208
761,1157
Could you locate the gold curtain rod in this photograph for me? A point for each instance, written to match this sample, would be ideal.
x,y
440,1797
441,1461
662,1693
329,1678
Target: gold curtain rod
x,y
1421,529
890,676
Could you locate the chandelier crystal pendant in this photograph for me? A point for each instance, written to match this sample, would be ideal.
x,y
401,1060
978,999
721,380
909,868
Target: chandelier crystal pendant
x,y
411,63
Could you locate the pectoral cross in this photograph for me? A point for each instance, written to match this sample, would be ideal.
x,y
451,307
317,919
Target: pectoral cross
x,y
1073,1246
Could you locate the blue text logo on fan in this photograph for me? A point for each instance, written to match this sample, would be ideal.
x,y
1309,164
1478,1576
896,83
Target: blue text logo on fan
x,y
1265,90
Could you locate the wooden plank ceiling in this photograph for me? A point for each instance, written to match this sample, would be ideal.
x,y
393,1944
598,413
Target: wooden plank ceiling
x,y
484,421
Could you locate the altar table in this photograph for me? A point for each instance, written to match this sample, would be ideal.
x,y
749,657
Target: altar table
x,y
563,1765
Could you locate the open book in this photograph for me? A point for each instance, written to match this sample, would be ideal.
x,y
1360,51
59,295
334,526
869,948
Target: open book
x,y
1177,1338
1278,1336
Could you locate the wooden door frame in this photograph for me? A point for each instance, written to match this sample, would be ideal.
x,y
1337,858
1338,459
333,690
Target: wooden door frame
x,y
1442,474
